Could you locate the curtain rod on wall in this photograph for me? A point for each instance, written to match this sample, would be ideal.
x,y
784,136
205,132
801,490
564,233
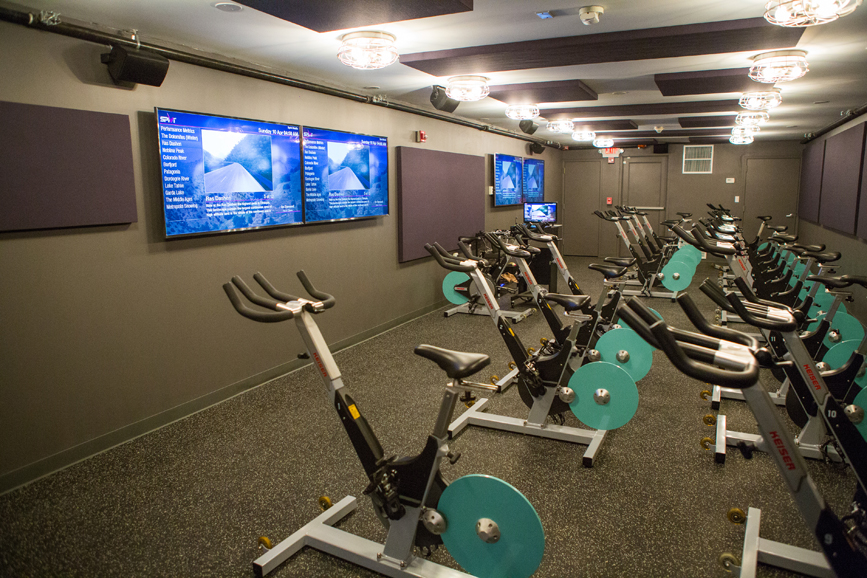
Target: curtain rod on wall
x,y
848,116
50,22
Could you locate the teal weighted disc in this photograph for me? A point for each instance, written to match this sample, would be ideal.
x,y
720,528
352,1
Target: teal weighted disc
x,y
847,326
861,401
677,275
763,246
838,355
689,253
639,356
591,383
518,551
451,281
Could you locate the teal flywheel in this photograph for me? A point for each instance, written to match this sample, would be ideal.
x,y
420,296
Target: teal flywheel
x,y
838,355
627,349
451,281
677,275
493,531
861,401
605,396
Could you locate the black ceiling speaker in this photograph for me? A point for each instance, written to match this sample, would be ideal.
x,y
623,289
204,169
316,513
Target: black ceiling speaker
x,y
660,149
135,65
528,126
536,148
442,102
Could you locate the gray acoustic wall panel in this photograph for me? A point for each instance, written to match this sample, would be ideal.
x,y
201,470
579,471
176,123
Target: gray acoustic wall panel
x,y
812,160
440,197
840,180
64,168
861,230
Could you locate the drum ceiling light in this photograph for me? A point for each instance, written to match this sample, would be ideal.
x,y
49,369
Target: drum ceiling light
x,y
779,66
468,88
801,13
745,130
368,49
583,136
741,140
603,143
522,111
752,118
561,125
761,99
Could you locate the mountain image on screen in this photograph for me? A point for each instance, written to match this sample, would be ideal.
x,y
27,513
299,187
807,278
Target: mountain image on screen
x,y
236,162
509,180
532,177
348,167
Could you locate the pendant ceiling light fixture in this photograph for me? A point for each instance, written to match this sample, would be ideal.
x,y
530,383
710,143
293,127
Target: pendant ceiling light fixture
x,y
368,50
801,13
561,126
752,118
522,111
761,99
741,140
603,143
583,136
468,88
779,66
745,130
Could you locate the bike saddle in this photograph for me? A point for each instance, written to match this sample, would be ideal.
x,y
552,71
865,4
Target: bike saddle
x,y
779,228
811,248
621,261
822,258
456,364
568,302
830,282
609,271
764,218
686,215
784,238
856,280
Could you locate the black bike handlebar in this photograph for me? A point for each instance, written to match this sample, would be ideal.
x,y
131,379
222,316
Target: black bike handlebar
x,y
451,266
694,360
326,299
702,242
761,322
261,316
688,305
519,253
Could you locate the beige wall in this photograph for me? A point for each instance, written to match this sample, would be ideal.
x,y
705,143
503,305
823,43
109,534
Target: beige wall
x,y
108,332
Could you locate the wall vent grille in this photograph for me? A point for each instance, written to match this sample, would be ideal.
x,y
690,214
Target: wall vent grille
x,y
697,159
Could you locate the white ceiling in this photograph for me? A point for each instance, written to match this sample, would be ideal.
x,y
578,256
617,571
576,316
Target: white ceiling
x,y
837,51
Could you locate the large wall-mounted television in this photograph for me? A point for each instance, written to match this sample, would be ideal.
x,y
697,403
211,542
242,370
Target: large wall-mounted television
x,y
223,174
534,181
508,180
540,212
345,175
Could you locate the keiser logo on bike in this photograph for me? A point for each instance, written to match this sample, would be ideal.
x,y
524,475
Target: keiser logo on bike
x,y
816,384
787,459
320,365
488,301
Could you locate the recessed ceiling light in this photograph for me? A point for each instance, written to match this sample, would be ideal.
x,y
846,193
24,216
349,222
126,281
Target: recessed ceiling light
x,y
227,6
822,102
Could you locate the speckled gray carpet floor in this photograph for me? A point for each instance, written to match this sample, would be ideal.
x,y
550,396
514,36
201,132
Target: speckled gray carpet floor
x,y
191,498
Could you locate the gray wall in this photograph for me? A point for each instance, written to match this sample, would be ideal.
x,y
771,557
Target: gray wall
x,y
686,193
108,332
853,249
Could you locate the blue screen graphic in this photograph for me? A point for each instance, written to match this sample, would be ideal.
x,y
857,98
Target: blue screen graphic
x,y
508,180
345,175
534,180
540,212
225,174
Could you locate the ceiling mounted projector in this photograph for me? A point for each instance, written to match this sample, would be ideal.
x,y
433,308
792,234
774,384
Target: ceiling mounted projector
x,y
590,14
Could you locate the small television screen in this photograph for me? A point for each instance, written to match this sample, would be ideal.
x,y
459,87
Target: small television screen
x,y
345,175
223,174
534,181
540,212
508,180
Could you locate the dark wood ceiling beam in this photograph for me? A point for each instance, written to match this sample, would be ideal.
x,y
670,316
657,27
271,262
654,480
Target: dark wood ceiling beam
x,y
606,125
706,82
670,133
667,42
706,121
329,15
535,92
631,110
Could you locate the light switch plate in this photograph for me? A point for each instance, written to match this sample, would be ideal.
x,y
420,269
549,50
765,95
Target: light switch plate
x,y
737,199
730,181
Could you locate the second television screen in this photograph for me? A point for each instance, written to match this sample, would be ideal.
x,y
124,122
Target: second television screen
x,y
345,175
534,180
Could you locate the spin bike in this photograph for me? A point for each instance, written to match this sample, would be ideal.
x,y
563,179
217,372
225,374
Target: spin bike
x,y
724,356
488,526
